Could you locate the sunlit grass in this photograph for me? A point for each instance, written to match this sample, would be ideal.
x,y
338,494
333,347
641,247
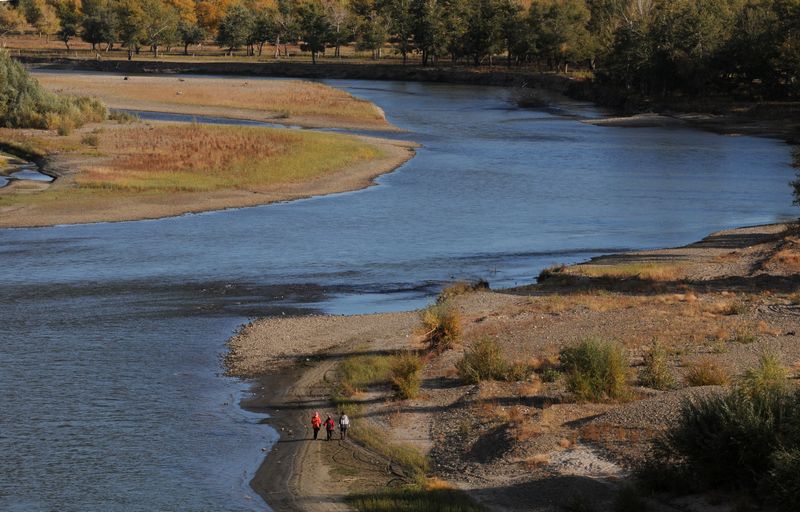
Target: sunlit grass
x,y
196,158
645,271
265,99
156,162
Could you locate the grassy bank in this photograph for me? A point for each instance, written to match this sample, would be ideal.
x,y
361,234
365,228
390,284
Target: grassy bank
x,y
282,101
129,171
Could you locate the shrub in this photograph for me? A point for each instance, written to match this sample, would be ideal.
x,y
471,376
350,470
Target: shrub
x,y
656,372
405,374
768,376
26,104
483,361
629,499
781,486
122,117
442,326
744,336
460,288
596,370
91,139
740,440
707,373
550,375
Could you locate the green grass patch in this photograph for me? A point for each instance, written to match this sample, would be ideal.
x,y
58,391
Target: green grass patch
x,y
358,372
483,360
414,499
596,370
657,372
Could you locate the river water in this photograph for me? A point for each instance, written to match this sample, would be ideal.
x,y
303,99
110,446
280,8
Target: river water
x,y
111,396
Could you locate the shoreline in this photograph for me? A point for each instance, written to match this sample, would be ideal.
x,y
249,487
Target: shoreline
x,y
132,208
289,362
719,115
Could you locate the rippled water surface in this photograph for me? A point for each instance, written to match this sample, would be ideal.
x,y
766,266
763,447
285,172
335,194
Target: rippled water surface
x,y
110,393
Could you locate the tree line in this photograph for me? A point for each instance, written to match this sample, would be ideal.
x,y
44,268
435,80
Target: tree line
x,y
650,47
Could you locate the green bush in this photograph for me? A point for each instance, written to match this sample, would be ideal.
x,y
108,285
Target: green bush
x,y
656,372
414,499
483,361
405,374
26,104
442,327
743,439
596,370
769,375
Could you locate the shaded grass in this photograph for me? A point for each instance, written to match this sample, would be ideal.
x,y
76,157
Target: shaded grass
x,y
414,464
414,499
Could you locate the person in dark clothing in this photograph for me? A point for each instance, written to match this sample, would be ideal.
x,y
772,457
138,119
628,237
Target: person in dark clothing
x,y
330,425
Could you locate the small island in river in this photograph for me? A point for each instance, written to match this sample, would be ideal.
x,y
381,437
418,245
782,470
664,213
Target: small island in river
x,y
126,169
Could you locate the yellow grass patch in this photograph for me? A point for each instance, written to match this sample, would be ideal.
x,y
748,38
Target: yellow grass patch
x,y
254,99
193,158
645,271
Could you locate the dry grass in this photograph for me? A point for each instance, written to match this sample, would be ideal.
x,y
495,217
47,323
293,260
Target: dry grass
x,y
262,99
193,158
644,271
707,373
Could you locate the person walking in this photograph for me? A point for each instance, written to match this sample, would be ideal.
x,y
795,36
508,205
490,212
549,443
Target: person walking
x,y
344,422
329,427
316,423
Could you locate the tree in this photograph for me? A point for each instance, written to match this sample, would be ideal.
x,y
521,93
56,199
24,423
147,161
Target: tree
x,y
48,23
511,30
263,29
560,27
99,24
482,31
10,19
159,24
286,26
339,16
69,17
130,21
190,33
430,32
401,24
315,29
235,28
372,34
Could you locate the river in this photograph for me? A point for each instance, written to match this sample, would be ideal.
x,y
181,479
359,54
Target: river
x,y
111,393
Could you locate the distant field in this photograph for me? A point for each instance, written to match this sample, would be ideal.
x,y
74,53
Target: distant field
x,y
283,101
124,172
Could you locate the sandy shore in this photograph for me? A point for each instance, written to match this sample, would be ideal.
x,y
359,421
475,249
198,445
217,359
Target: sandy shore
x,y
524,445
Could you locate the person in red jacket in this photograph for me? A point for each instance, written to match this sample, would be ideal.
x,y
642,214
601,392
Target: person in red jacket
x,y
330,425
316,423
